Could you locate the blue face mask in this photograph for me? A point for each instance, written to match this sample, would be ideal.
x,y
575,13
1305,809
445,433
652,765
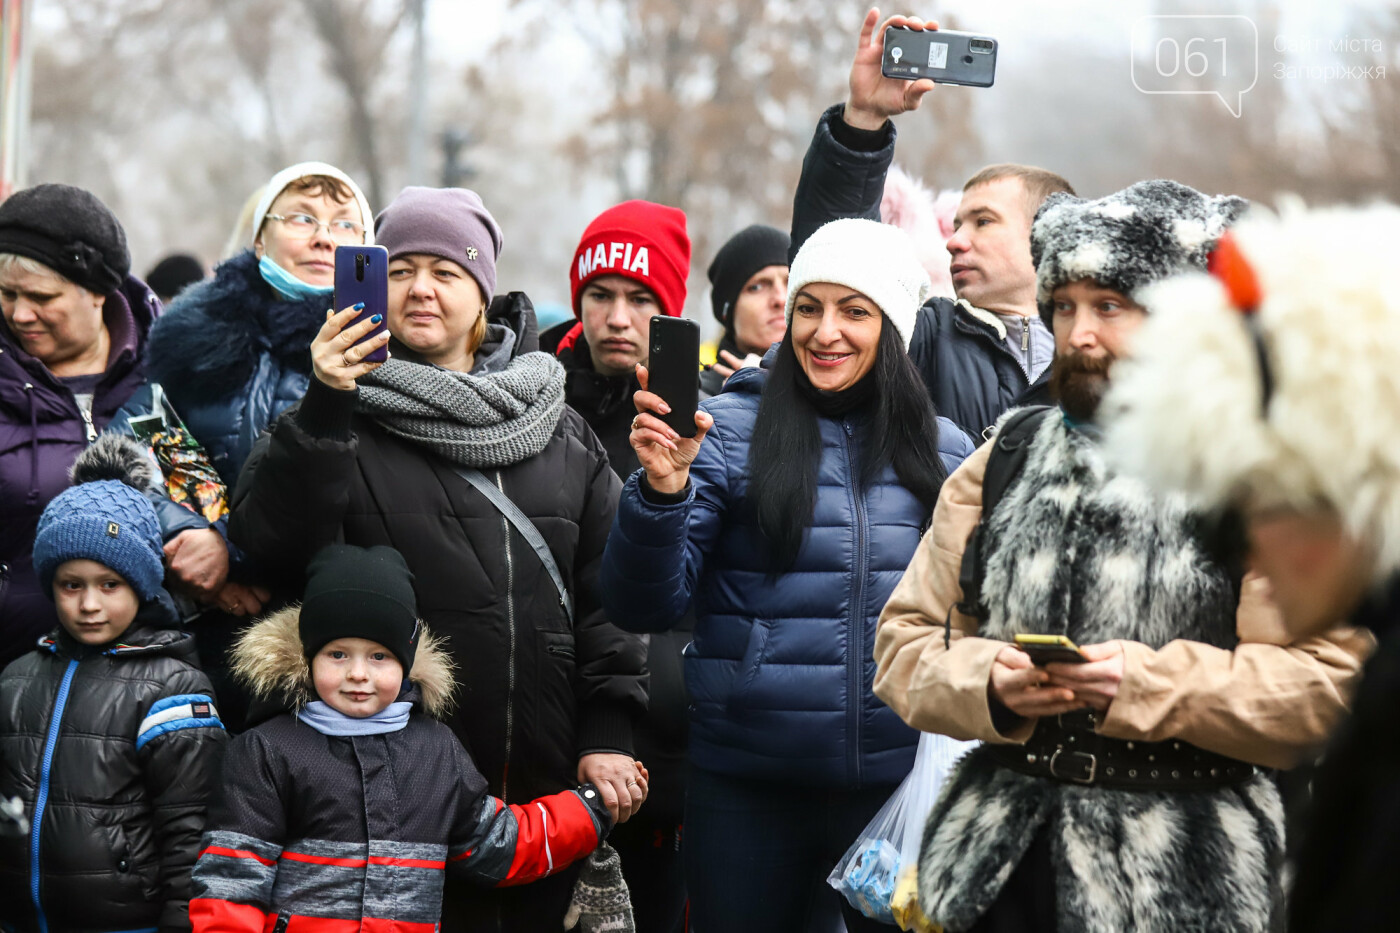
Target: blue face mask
x,y
289,286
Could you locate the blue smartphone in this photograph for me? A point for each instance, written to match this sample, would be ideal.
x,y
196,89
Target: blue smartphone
x,y
362,275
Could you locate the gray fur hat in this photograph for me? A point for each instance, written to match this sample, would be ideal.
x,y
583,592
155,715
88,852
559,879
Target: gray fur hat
x,y
1127,240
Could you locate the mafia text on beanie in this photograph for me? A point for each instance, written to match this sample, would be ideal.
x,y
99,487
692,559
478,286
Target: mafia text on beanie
x,y
751,249
452,223
70,231
875,259
354,592
638,240
1127,240
105,517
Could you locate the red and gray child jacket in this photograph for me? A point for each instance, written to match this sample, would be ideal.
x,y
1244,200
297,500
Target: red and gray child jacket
x,y
318,833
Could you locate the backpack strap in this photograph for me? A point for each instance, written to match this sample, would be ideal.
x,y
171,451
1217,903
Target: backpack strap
x,y
1004,463
527,530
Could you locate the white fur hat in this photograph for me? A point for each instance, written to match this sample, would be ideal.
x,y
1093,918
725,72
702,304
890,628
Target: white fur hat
x,y
291,173
1186,411
875,259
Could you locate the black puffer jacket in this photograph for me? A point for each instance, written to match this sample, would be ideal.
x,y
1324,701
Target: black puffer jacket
x,y
115,751
605,402
972,375
234,355
534,692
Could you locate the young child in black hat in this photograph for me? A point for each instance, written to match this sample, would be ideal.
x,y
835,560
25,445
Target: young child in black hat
x,y
354,805
108,730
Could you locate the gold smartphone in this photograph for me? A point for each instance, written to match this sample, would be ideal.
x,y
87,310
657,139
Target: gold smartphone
x,y
1045,649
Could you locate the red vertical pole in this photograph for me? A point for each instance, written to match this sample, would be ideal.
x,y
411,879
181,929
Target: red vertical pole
x,y
15,57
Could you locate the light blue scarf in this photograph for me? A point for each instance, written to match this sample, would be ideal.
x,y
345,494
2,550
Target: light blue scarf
x,y
327,721
287,285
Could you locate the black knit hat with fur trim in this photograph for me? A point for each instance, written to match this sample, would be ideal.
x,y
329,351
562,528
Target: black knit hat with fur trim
x,y
1127,240
70,231
354,592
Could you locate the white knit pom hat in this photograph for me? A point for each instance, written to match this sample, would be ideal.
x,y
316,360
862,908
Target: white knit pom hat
x,y
1193,410
875,259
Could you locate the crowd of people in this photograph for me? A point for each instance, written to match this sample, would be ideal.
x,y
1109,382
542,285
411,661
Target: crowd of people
x,y
433,620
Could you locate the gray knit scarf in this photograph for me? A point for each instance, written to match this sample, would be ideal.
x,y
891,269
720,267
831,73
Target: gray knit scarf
x,y
490,419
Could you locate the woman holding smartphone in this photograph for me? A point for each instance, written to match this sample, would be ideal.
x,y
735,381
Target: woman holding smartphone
x,y
382,453
786,521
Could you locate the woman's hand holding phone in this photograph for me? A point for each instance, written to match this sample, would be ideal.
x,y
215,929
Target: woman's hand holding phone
x,y
873,97
664,454
337,356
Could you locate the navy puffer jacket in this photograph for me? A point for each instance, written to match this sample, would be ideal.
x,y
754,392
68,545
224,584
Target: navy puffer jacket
x,y
233,355
780,671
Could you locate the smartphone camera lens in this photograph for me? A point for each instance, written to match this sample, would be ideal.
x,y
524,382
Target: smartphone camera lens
x,y
984,46
359,267
967,59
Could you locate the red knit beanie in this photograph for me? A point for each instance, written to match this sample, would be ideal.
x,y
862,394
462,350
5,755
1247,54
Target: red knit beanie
x,y
642,241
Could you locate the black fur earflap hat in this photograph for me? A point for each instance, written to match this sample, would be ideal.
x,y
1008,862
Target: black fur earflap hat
x,y
1127,240
354,592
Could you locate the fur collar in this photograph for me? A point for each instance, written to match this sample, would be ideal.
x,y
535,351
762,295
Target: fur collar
x,y
267,658
1074,549
208,342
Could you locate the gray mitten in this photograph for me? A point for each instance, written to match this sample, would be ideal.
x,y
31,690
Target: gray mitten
x,y
601,903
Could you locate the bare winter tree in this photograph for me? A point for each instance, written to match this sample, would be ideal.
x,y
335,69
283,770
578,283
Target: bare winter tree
x,y
355,36
710,106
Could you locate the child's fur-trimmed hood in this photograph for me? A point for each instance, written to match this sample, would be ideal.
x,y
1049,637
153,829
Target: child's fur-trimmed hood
x,y
268,659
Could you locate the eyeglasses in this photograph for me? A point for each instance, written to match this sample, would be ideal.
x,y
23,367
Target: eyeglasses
x,y
305,226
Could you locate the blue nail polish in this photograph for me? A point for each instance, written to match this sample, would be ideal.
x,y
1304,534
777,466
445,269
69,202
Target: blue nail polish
x,y
360,306
376,319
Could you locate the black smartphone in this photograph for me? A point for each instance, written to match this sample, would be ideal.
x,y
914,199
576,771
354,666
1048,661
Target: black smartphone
x,y
942,55
673,363
1046,649
362,275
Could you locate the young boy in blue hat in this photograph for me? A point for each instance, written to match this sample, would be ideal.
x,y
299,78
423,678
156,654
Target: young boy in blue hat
x,y
108,731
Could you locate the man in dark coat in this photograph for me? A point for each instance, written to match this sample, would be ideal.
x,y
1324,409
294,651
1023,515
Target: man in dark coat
x,y
980,354
630,265
748,295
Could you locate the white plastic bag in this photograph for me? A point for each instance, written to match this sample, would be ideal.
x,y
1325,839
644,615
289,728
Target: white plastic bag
x,y
886,853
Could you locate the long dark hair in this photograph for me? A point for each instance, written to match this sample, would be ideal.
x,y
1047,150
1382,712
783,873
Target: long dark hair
x,y
901,428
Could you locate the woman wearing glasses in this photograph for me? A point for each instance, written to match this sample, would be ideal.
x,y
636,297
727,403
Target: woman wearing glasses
x,y
234,352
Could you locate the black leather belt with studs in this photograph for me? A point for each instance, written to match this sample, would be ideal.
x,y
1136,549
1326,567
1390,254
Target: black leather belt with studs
x,y
1067,749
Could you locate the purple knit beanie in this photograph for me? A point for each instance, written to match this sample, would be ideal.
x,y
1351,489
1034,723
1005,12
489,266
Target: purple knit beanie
x,y
447,222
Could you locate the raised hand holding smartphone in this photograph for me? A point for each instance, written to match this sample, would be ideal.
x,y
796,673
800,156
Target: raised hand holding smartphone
x,y
341,349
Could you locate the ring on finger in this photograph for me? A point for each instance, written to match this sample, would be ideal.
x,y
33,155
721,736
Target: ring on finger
x,y
636,422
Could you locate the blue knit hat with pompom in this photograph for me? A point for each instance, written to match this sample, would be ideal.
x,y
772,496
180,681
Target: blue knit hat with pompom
x,y
105,517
